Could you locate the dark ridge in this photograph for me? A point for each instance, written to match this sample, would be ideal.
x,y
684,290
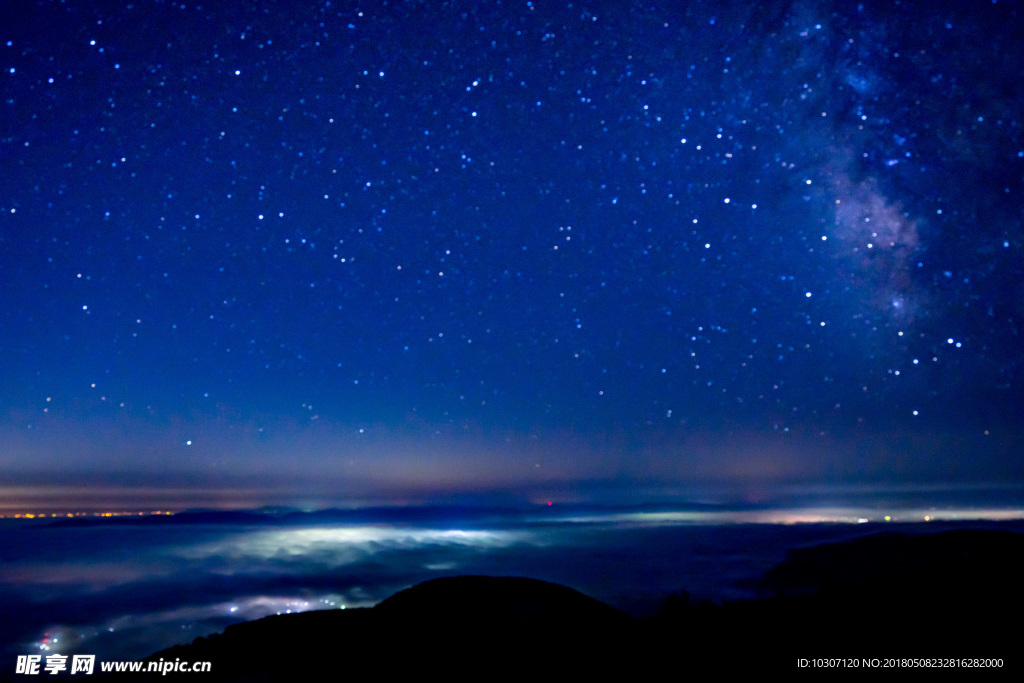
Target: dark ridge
x,y
877,599
490,625
502,601
987,560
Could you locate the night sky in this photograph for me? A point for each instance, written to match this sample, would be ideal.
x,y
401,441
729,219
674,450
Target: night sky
x,y
284,252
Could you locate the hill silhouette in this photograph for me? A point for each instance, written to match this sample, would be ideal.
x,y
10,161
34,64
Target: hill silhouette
x,y
457,624
886,596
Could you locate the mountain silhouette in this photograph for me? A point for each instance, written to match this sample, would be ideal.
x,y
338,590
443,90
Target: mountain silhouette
x,y
879,598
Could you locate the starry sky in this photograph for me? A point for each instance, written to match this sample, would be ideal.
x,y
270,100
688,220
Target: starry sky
x,y
415,251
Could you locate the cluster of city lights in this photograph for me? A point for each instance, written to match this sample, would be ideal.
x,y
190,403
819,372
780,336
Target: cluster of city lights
x,y
65,515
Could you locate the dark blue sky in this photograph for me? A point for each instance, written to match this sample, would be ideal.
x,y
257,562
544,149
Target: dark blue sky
x,y
411,251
